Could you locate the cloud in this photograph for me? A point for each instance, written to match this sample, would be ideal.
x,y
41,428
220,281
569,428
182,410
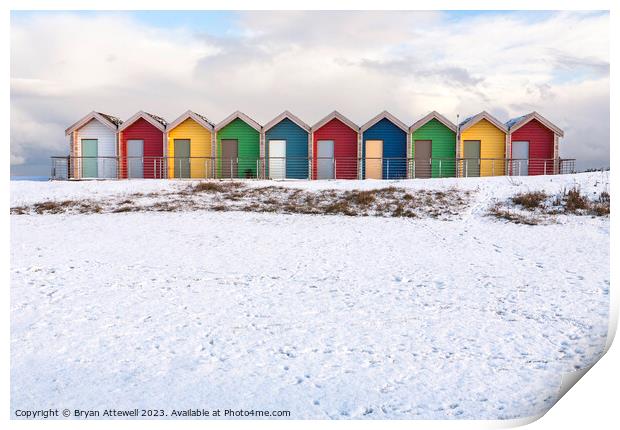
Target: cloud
x,y
311,63
447,75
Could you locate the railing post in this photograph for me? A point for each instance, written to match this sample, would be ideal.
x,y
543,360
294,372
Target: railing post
x,y
545,168
467,168
440,167
413,169
257,168
387,176
493,167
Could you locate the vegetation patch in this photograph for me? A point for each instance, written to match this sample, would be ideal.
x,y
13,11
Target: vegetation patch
x,y
500,212
215,186
220,196
530,200
537,207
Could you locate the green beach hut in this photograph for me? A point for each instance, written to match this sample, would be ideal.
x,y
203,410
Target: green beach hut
x,y
433,147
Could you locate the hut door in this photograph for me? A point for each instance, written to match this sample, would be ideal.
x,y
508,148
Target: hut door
x,y
422,158
520,156
374,159
471,152
277,159
89,158
230,154
181,158
325,159
135,160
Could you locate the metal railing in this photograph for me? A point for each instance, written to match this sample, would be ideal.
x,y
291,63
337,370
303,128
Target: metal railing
x,y
300,167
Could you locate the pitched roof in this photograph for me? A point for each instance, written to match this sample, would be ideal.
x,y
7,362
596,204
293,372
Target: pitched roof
x,y
200,119
158,119
384,115
336,115
154,120
243,117
109,121
283,115
518,122
433,115
474,119
513,121
204,118
112,119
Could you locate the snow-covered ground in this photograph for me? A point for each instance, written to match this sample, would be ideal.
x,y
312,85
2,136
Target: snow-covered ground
x,y
325,316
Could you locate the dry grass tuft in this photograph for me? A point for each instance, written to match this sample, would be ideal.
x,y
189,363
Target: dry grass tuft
x,y
340,207
215,187
574,201
530,200
502,213
545,208
361,198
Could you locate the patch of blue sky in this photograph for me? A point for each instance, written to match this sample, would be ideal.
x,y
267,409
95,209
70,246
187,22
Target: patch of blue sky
x,y
530,15
563,75
211,22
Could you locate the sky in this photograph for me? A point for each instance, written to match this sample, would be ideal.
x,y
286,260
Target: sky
x,y
66,64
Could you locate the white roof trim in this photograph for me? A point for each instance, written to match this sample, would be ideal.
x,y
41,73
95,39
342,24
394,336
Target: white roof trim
x,y
186,115
385,114
340,117
433,115
479,117
544,121
145,116
243,117
86,119
286,114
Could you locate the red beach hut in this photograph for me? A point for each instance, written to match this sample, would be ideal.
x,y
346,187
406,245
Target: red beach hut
x,y
142,139
335,148
534,142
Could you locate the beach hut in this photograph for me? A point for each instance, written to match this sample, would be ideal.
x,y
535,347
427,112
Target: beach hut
x,y
335,148
190,147
287,139
238,147
433,147
533,145
384,148
141,140
482,146
93,142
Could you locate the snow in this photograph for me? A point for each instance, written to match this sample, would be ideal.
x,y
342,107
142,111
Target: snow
x,y
28,192
325,316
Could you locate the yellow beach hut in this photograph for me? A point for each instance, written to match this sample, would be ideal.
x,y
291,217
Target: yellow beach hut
x,y
190,147
482,146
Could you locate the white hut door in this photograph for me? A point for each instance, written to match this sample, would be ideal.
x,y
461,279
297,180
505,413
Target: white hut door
x,y
277,159
520,157
135,154
325,159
